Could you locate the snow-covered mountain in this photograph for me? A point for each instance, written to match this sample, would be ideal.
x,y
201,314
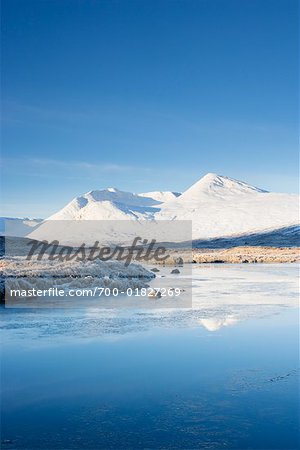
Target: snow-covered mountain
x,y
113,204
108,204
218,206
219,186
221,206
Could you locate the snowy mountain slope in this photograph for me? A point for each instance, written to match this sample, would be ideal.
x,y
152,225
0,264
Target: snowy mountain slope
x,y
161,196
221,206
108,204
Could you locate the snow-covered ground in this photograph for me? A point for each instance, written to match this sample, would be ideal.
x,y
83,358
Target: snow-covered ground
x,y
17,227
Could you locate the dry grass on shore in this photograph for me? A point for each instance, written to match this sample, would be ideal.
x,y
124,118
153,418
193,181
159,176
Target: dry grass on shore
x,y
237,255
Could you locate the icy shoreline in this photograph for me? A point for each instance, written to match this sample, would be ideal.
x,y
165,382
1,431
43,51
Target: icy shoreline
x,y
19,273
223,296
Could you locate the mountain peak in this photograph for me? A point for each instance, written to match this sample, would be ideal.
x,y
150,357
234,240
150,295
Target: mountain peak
x,y
210,175
215,184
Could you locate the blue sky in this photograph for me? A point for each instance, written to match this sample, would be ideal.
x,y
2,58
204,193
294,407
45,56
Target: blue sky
x,y
145,95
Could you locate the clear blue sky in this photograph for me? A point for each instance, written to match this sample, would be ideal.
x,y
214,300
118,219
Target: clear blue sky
x,y
145,95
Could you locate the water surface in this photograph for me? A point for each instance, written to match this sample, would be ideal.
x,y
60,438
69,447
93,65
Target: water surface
x,y
221,375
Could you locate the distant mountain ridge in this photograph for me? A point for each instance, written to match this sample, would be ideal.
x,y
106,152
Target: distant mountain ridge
x,y
161,196
217,206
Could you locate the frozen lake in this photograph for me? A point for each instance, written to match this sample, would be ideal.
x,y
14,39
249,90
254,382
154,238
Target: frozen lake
x,y
219,373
